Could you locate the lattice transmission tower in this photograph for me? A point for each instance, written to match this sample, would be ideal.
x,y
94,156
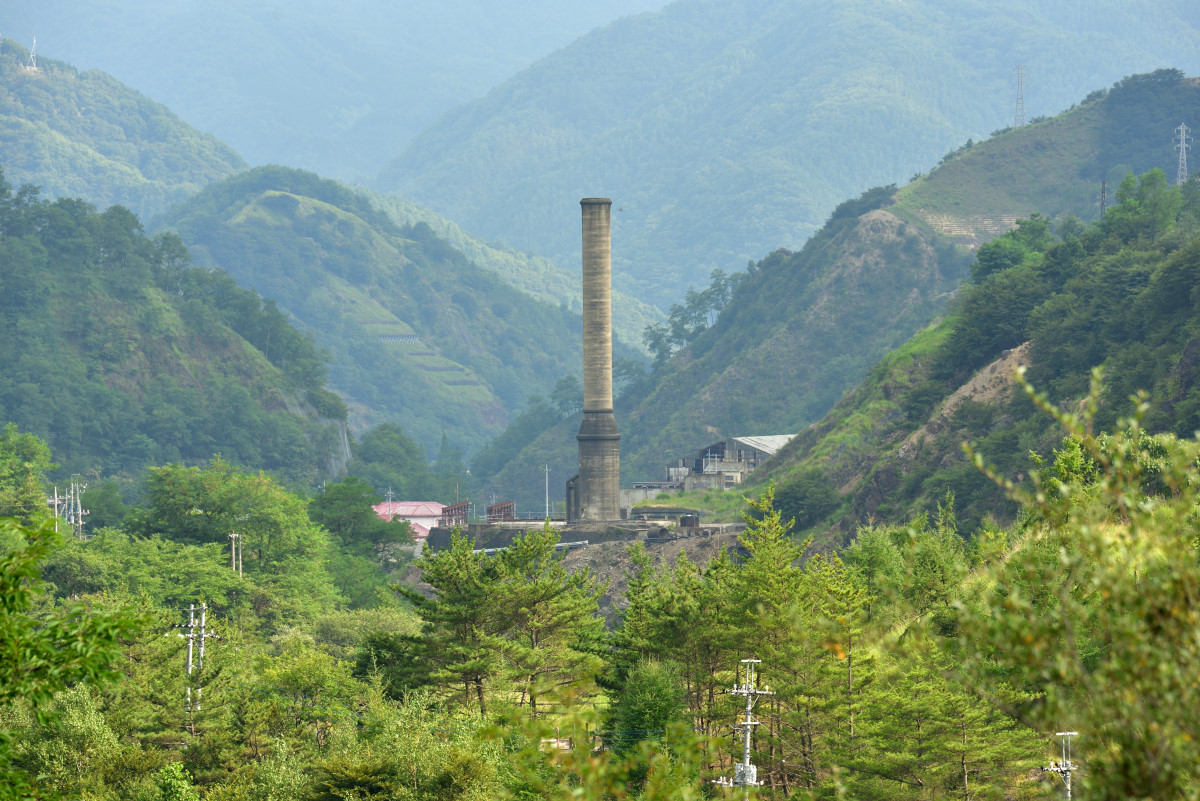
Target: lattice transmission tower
x,y
1182,144
1019,118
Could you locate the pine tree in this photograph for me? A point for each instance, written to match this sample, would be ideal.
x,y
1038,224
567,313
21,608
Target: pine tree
x,y
840,602
461,621
550,617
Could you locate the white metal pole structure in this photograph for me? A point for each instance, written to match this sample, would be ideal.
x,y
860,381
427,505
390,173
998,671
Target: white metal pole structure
x,y
235,552
191,636
745,775
1064,768
191,639
1181,172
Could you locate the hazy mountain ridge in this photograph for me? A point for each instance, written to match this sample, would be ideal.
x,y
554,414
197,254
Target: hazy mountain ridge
x,y
727,129
84,134
336,89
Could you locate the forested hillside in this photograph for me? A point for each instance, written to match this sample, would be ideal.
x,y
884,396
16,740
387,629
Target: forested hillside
x,y
798,330
726,129
416,333
1118,295
532,274
122,354
84,134
336,90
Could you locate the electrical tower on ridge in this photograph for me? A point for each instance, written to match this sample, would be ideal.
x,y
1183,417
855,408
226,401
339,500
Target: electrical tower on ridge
x,y
1019,118
1183,140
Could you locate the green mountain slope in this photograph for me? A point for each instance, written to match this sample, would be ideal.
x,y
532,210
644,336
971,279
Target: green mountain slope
x,y
338,89
122,355
417,334
723,130
534,275
804,328
84,134
1119,294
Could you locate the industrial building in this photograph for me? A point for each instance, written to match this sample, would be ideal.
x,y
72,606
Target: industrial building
x,y
725,464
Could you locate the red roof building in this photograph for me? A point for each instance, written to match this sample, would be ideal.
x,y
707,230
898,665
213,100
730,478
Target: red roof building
x,y
421,515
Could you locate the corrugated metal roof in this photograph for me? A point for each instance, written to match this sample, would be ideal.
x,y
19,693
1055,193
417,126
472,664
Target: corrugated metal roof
x,y
768,444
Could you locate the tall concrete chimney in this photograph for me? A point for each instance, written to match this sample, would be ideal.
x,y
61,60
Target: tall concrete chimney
x,y
596,494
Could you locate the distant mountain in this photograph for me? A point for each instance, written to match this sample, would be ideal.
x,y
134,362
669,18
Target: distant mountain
x,y
417,334
804,328
84,134
724,129
122,355
336,88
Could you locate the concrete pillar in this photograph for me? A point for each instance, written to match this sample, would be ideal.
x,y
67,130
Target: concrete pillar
x,y
599,449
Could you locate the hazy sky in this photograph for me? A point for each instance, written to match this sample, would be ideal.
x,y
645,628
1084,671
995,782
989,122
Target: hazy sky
x,y
337,87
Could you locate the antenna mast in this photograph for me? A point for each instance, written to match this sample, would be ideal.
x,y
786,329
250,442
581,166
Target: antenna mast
x,y
1019,119
745,774
1064,767
1181,134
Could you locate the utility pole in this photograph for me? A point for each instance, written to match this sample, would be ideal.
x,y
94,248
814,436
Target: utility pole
x,y
235,552
191,637
1181,172
1064,768
57,509
1103,197
1019,119
547,469
745,775
73,503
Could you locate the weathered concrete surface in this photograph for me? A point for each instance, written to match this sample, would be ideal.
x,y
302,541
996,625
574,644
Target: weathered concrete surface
x,y
599,441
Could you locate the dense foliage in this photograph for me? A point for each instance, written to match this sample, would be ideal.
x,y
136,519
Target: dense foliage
x,y
1117,293
121,353
914,665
